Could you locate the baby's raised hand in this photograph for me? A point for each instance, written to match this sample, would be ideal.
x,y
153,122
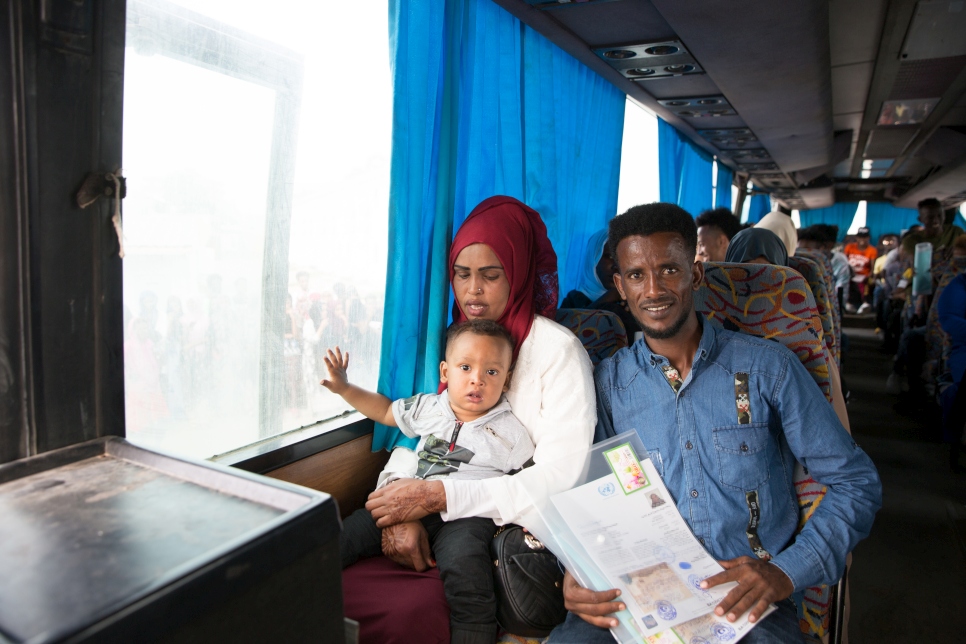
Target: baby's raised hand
x,y
336,363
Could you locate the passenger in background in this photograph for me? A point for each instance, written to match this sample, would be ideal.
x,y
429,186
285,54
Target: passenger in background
x,y
780,223
502,268
715,230
757,246
951,307
935,229
861,255
596,289
822,237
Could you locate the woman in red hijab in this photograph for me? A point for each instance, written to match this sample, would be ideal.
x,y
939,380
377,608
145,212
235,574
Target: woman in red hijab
x,y
502,268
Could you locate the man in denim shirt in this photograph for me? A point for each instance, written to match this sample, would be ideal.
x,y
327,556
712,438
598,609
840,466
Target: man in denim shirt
x,y
724,417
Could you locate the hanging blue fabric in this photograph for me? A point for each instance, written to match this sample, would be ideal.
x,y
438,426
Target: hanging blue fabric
x,y
685,171
722,191
840,214
882,218
573,129
482,105
759,207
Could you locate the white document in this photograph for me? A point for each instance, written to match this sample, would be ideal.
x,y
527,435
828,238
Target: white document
x,y
626,521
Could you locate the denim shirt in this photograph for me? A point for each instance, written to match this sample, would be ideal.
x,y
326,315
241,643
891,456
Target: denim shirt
x,y
709,460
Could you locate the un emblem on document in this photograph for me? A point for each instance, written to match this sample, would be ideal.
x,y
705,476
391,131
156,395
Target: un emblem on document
x,y
606,489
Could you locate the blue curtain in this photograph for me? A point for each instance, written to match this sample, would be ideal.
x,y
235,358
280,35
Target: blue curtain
x,y
685,171
482,105
883,218
759,207
840,214
722,192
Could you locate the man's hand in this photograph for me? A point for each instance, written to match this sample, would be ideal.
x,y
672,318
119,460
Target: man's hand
x,y
408,545
592,607
406,500
759,584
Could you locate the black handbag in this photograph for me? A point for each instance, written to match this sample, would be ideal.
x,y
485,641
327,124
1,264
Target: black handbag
x,y
528,583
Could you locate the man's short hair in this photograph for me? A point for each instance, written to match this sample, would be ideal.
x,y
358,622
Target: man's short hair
x,y
478,327
810,234
828,232
931,202
960,244
649,219
722,219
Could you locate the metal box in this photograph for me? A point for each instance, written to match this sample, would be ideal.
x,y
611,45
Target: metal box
x,y
108,542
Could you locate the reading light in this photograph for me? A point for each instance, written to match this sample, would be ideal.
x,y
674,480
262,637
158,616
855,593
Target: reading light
x,y
619,54
679,69
643,71
662,50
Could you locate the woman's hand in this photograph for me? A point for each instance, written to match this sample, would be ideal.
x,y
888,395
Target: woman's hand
x,y
408,545
591,606
406,500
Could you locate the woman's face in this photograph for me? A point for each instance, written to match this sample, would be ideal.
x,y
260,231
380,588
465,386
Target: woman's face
x,y
480,284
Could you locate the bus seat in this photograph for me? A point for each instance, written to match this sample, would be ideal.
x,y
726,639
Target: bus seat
x,y
774,302
937,342
825,265
810,270
601,332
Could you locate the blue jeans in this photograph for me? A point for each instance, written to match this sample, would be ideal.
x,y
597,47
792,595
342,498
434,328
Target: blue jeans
x,y
781,627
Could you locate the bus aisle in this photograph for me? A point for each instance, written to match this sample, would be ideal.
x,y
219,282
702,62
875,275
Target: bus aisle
x,y
909,577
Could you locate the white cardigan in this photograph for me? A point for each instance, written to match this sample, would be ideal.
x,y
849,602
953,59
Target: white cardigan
x,y
552,393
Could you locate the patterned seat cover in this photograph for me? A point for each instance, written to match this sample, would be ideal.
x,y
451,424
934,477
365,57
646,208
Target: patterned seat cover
x,y
774,302
813,274
601,332
825,265
937,341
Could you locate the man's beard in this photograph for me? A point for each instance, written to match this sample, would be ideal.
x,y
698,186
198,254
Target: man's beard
x,y
671,331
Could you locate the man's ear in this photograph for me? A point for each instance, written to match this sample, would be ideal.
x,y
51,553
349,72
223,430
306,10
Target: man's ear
x,y
619,283
442,371
697,275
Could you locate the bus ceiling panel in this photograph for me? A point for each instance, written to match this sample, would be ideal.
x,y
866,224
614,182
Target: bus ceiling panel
x,y
955,117
677,86
850,87
606,23
944,147
817,197
855,27
546,22
948,185
889,143
936,31
771,59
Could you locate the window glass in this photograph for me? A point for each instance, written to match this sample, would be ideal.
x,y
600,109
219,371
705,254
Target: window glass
x,y
256,147
640,180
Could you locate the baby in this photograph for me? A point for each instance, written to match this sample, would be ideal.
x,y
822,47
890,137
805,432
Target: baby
x,y
466,432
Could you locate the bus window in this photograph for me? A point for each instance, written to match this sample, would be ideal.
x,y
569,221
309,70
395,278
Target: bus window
x,y
640,174
256,218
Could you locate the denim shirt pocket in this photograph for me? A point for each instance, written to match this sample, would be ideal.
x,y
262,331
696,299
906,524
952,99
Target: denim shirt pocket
x,y
742,452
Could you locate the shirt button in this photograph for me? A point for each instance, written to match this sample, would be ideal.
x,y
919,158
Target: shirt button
x,y
744,447
694,494
701,540
688,445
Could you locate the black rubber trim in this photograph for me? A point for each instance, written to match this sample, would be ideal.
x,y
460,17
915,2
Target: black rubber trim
x,y
272,455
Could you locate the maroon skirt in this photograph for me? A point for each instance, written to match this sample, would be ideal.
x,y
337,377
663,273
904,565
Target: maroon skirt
x,y
395,605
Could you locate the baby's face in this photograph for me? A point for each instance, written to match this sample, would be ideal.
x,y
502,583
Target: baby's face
x,y
476,372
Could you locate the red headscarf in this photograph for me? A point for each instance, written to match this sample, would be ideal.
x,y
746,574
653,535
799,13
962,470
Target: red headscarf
x,y
519,238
